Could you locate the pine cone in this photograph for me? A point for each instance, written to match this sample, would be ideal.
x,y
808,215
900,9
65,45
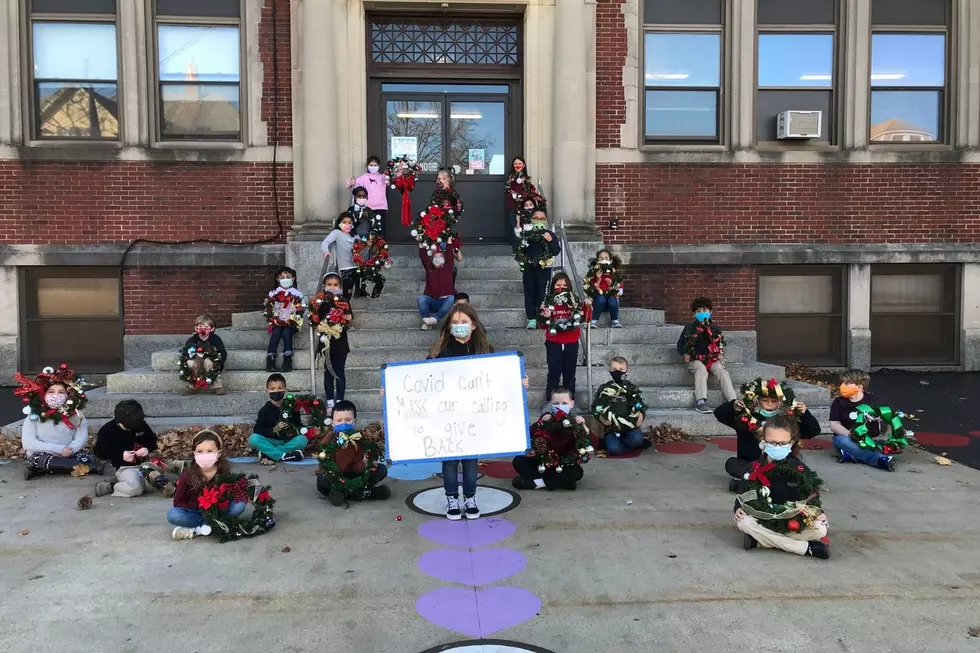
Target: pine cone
x,y
85,502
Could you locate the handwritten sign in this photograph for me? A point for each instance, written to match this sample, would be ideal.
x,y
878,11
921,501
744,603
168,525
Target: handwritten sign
x,y
455,408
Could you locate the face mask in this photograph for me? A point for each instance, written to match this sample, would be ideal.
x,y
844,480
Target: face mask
x,y
438,261
277,396
540,226
561,408
848,391
373,169
460,330
204,332
335,291
360,201
767,413
605,264
343,428
286,283
701,316
778,451
55,401
518,167
346,227
206,460
618,375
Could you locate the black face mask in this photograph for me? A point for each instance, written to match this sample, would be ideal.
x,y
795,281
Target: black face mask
x,y
277,396
618,375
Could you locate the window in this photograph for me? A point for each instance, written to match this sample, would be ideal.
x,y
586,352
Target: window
x,y
800,315
909,71
198,48
797,62
914,314
72,315
75,69
683,71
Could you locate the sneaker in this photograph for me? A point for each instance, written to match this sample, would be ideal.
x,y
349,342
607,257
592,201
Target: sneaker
x,y
431,321
702,406
183,533
292,457
169,490
220,390
818,549
453,513
748,542
645,444
522,483
532,324
426,327
886,462
270,364
379,493
330,404
472,512
190,390
594,324
32,472
103,488
616,324
733,485
336,499
844,457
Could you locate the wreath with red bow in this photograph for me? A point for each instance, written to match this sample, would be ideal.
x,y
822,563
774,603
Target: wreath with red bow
x,y
282,297
401,174
221,492
305,405
705,332
433,229
370,440
32,393
371,257
201,378
560,440
604,280
789,517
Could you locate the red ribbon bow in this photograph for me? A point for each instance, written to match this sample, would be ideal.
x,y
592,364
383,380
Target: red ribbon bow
x,y
758,473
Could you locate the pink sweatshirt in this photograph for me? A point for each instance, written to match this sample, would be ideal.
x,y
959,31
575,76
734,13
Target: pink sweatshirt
x,y
376,188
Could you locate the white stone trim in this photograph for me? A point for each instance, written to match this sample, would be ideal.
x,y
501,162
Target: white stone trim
x,y
11,127
968,74
970,317
179,152
256,130
633,87
858,282
740,62
721,155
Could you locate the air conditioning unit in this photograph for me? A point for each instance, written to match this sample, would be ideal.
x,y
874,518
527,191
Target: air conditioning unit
x,y
798,124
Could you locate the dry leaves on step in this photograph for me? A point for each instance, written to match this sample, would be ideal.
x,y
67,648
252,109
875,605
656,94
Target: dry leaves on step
x,y
945,462
176,443
667,433
23,532
813,376
85,502
10,448
78,471
286,549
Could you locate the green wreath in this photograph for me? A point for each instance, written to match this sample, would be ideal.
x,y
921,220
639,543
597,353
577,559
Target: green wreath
x,y
218,495
772,389
305,405
204,379
618,405
556,325
532,236
565,432
370,439
898,436
789,517
594,278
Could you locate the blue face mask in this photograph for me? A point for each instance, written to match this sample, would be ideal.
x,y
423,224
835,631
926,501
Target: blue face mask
x,y
460,330
564,408
778,452
701,316
767,413
343,428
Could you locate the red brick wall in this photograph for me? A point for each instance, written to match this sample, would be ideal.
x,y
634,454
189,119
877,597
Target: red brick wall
x,y
269,80
166,300
672,287
610,59
829,203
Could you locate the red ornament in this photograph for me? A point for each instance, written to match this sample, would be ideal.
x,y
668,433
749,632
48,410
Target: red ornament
x,y
200,348
26,400
398,517
793,525
316,402
799,468
63,366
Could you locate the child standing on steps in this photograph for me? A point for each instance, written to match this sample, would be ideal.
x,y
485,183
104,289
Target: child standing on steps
x,y
341,239
331,315
365,220
284,310
273,437
702,345
604,284
561,317
853,393
208,463
536,254
377,186
204,335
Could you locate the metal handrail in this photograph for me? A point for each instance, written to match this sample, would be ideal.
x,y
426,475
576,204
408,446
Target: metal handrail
x,y
567,264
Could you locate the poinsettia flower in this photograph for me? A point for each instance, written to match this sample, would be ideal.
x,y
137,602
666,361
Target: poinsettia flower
x,y
263,496
209,497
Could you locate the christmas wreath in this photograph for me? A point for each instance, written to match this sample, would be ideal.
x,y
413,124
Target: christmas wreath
x,y
305,405
154,472
560,441
218,495
433,229
402,173
32,393
619,405
789,517
369,440
371,257
565,313
604,280
329,325
756,388
715,339
284,317
898,435
201,379
448,200
525,260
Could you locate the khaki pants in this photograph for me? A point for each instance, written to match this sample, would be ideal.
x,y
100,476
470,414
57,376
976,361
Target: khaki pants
x,y
203,366
718,370
129,482
791,542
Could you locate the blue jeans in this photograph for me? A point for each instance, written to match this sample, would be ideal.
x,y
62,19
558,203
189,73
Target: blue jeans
x,y
602,303
194,518
619,443
281,333
450,477
436,307
847,445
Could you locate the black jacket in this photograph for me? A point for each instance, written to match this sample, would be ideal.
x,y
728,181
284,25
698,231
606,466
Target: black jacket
x,y
700,345
537,249
113,441
748,443
455,348
213,340
269,416
341,343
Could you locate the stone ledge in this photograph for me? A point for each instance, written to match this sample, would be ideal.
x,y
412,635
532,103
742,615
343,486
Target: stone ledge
x,y
201,255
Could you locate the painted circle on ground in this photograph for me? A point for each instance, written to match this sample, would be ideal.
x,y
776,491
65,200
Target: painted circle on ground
x,y
628,454
243,460
500,469
725,444
941,439
975,434
487,646
816,445
414,471
305,461
491,501
459,476
680,447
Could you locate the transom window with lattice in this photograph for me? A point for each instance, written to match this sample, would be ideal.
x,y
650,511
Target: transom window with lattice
x,y
484,42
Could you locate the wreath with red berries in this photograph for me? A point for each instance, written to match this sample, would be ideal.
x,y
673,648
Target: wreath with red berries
x,y
789,517
282,297
305,405
202,378
531,236
771,388
705,331
371,257
559,441
401,174
433,229
600,280
370,440
566,313
221,492
32,393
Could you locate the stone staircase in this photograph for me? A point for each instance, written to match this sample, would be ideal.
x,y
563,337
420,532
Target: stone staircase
x,y
387,330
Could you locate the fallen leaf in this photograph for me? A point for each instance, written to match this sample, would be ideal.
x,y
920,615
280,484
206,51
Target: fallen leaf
x,y
914,471
286,549
78,471
974,631
923,383
671,555
38,577
945,462
24,532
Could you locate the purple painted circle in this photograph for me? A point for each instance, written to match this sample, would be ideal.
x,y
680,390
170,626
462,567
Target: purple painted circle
x,y
472,568
467,534
480,612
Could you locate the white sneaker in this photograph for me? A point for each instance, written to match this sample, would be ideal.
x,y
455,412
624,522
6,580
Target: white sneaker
x,y
426,327
471,511
203,529
453,513
330,404
183,533
431,321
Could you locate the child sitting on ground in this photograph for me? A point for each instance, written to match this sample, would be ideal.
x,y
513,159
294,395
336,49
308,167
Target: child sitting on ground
x,y
604,284
557,450
352,467
853,393
619,407
781,507
208,464
205,366
702,345
284,310
370,254
126,442
277,439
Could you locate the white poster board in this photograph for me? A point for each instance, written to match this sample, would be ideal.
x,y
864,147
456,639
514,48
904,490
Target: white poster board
x,y
455,408
407,146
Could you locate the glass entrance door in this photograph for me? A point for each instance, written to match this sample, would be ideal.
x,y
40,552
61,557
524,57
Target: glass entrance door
x,y
466,128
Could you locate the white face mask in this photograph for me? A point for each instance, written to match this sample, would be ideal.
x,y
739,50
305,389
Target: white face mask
x,y
56,400
373,169
286,283
438,261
